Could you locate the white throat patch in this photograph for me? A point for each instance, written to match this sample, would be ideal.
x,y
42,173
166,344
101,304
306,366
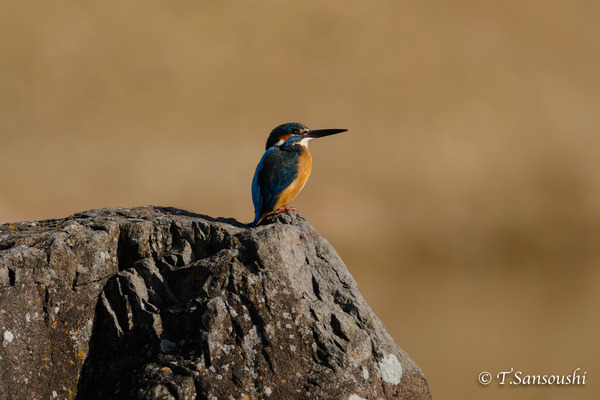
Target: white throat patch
x,y
304,141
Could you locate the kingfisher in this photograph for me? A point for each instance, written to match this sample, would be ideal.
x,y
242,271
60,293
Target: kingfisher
x,y
284,168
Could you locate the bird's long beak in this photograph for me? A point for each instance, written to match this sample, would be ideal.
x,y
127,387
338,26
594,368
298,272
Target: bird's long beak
x,y
322,132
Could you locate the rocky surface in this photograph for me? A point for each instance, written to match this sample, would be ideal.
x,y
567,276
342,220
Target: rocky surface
x,y
159,303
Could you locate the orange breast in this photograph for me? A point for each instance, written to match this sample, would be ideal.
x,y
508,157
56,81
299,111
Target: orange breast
x,y
290,193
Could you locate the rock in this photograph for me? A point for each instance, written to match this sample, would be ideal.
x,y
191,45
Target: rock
x,y
161,303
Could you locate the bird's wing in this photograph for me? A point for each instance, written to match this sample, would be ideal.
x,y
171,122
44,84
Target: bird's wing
x,y
276,170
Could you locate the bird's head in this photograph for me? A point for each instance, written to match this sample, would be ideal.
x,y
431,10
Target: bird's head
x,y
298,133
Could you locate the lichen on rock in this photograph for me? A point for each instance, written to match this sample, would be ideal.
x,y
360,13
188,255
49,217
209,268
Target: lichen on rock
x,y
161,303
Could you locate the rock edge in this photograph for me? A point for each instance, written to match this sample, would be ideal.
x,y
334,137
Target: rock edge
x,y
162,303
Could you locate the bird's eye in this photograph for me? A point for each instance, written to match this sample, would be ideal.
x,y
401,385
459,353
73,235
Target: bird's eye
x,y
295,131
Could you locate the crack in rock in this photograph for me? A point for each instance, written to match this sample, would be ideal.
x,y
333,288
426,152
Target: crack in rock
x,y
161,303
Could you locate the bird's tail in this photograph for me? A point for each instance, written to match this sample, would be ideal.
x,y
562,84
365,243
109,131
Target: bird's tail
x,y
258,218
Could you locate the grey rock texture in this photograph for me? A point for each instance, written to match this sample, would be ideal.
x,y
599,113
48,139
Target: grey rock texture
x,y
161,303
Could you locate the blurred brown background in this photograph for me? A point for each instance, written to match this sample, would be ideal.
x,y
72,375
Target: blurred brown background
x,y
465,198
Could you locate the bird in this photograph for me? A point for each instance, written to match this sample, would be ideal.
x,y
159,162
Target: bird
x,y
284,168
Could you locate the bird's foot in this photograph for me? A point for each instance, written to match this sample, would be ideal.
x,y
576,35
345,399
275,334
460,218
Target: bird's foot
x,y
284,209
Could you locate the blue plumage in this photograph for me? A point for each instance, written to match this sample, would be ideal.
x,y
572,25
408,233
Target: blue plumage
x,y
284,168
275,172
